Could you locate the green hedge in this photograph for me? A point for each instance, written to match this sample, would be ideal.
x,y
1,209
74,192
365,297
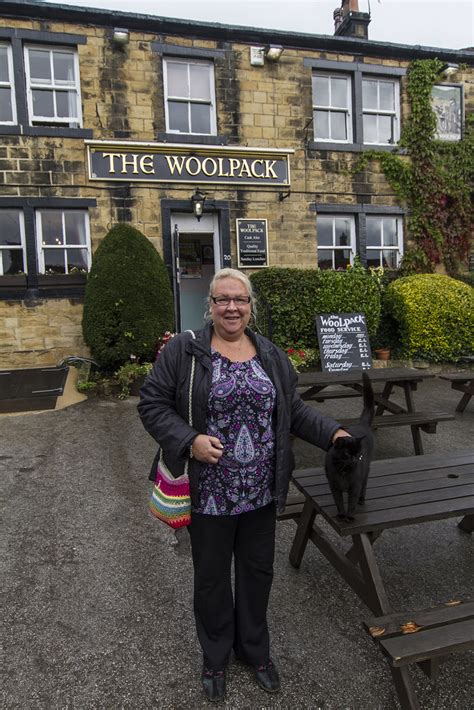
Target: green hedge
x,y
128,302
289,299
435,315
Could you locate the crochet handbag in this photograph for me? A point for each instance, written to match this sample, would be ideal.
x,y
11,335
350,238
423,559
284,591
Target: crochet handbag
x,y
170,501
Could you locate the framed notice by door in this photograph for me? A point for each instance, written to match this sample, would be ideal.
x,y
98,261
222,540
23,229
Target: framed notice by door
x,y
252,243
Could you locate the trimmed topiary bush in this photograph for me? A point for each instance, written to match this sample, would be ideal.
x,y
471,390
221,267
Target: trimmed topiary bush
x,y
435,314
289,299
128,302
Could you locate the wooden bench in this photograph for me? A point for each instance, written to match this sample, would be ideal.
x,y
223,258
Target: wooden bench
x,y
462,382
293,507
422,637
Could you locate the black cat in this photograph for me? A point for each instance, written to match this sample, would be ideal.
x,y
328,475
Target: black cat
x,y
348,460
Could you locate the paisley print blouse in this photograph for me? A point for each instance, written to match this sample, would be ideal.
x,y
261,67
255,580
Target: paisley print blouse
x,y
239,414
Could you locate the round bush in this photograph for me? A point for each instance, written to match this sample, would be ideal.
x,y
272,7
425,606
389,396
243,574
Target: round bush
x,y
128,302
435,314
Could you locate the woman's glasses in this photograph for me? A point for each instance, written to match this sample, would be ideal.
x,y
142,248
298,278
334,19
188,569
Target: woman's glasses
x,y
225,301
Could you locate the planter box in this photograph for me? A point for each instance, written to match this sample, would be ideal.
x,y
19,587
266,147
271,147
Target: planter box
x,y
13,281
55,280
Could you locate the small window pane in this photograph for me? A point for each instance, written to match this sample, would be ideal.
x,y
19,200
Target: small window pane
x,y
338,126
321,90
343,231
373,258
389,259
178,116
374,232
43,103
370,129
178,79
339,93
10,233
52,227
75,227
54,261
390,237
200,118
12,261
76,259
200,84
387,95
40,67
325,258
6,113
321,121
66,104
63,65
385,129
4,72
369,94
324,228
342,258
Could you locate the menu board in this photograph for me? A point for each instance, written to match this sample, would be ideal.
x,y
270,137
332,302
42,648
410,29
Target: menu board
x,y
343,342
252,243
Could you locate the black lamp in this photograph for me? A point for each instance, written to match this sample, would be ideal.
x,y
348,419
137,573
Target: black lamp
x,y
197,201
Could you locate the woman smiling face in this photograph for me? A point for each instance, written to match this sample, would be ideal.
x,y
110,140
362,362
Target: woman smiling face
x,y
230,317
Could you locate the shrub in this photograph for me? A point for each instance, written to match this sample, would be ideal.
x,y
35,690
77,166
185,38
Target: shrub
x,y
128,301
289,299
435,314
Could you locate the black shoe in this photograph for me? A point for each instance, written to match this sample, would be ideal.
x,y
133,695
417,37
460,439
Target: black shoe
x,y
213,683
267,677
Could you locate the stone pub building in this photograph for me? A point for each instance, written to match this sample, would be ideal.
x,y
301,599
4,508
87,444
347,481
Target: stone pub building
x,y
110,117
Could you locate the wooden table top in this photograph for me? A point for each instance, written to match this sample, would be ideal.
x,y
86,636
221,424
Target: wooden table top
x,y
401,491
382,374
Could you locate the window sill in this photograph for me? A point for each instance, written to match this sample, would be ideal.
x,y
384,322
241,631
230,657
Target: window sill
x,y
351,147
13,281
48,131
66,280
191,139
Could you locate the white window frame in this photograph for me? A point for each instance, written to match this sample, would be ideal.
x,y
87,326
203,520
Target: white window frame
x,y
395,114
9,85
170,97
351,246
75,85
399,230
21,246
334,109
40,248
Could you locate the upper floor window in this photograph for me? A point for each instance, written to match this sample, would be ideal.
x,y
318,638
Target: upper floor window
x,y
52,82
332,107
7,103
381,109
12,242
63,241
189,96
336,241
384,241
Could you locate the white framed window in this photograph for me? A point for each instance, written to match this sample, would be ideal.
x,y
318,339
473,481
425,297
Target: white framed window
x,y
7,93
190,103
380,110
384,241
12,242
332,107
63,241
52,84
336,240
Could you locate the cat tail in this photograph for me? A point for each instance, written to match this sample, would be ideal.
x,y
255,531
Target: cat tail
x,y
368,412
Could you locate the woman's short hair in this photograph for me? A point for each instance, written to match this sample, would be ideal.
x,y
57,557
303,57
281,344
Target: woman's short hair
x,y
228,273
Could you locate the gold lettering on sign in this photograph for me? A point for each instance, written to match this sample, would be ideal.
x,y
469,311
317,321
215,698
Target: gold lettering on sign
x,y
175,162
269,169
205,170
254,169
111,157
188,166
133,162
146,165
245,169
221,168
234,163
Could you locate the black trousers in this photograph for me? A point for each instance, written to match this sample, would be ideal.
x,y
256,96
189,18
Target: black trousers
x,y
223,623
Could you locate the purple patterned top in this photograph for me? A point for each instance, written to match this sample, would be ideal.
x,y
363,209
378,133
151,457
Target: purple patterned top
x,y
239,414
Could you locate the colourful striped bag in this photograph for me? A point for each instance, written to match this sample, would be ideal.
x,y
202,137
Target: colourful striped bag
x,y
170,501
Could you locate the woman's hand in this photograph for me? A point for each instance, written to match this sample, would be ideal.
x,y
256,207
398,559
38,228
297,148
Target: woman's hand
x,y
207,449
338,433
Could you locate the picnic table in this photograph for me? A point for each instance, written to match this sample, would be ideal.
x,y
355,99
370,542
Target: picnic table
x,y
462,382
320,386
400,491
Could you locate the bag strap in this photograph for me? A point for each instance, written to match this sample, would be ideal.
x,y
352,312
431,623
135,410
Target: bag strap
x,y
190,398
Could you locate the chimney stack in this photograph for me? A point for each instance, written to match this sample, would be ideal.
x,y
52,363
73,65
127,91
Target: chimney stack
x,y
349,22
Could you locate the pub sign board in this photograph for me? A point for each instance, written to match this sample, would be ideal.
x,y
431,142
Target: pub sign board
x,y
179,163
252,243
343,342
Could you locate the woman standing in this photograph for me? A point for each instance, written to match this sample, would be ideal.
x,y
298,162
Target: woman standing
x,y
245,406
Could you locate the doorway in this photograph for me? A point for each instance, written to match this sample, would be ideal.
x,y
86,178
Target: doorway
x,y
196,258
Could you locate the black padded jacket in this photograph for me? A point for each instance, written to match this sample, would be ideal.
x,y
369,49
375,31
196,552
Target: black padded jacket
x,y
164,405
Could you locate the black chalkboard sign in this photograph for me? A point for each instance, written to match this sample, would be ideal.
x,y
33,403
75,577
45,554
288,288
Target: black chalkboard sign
x,y
343,342
252,244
